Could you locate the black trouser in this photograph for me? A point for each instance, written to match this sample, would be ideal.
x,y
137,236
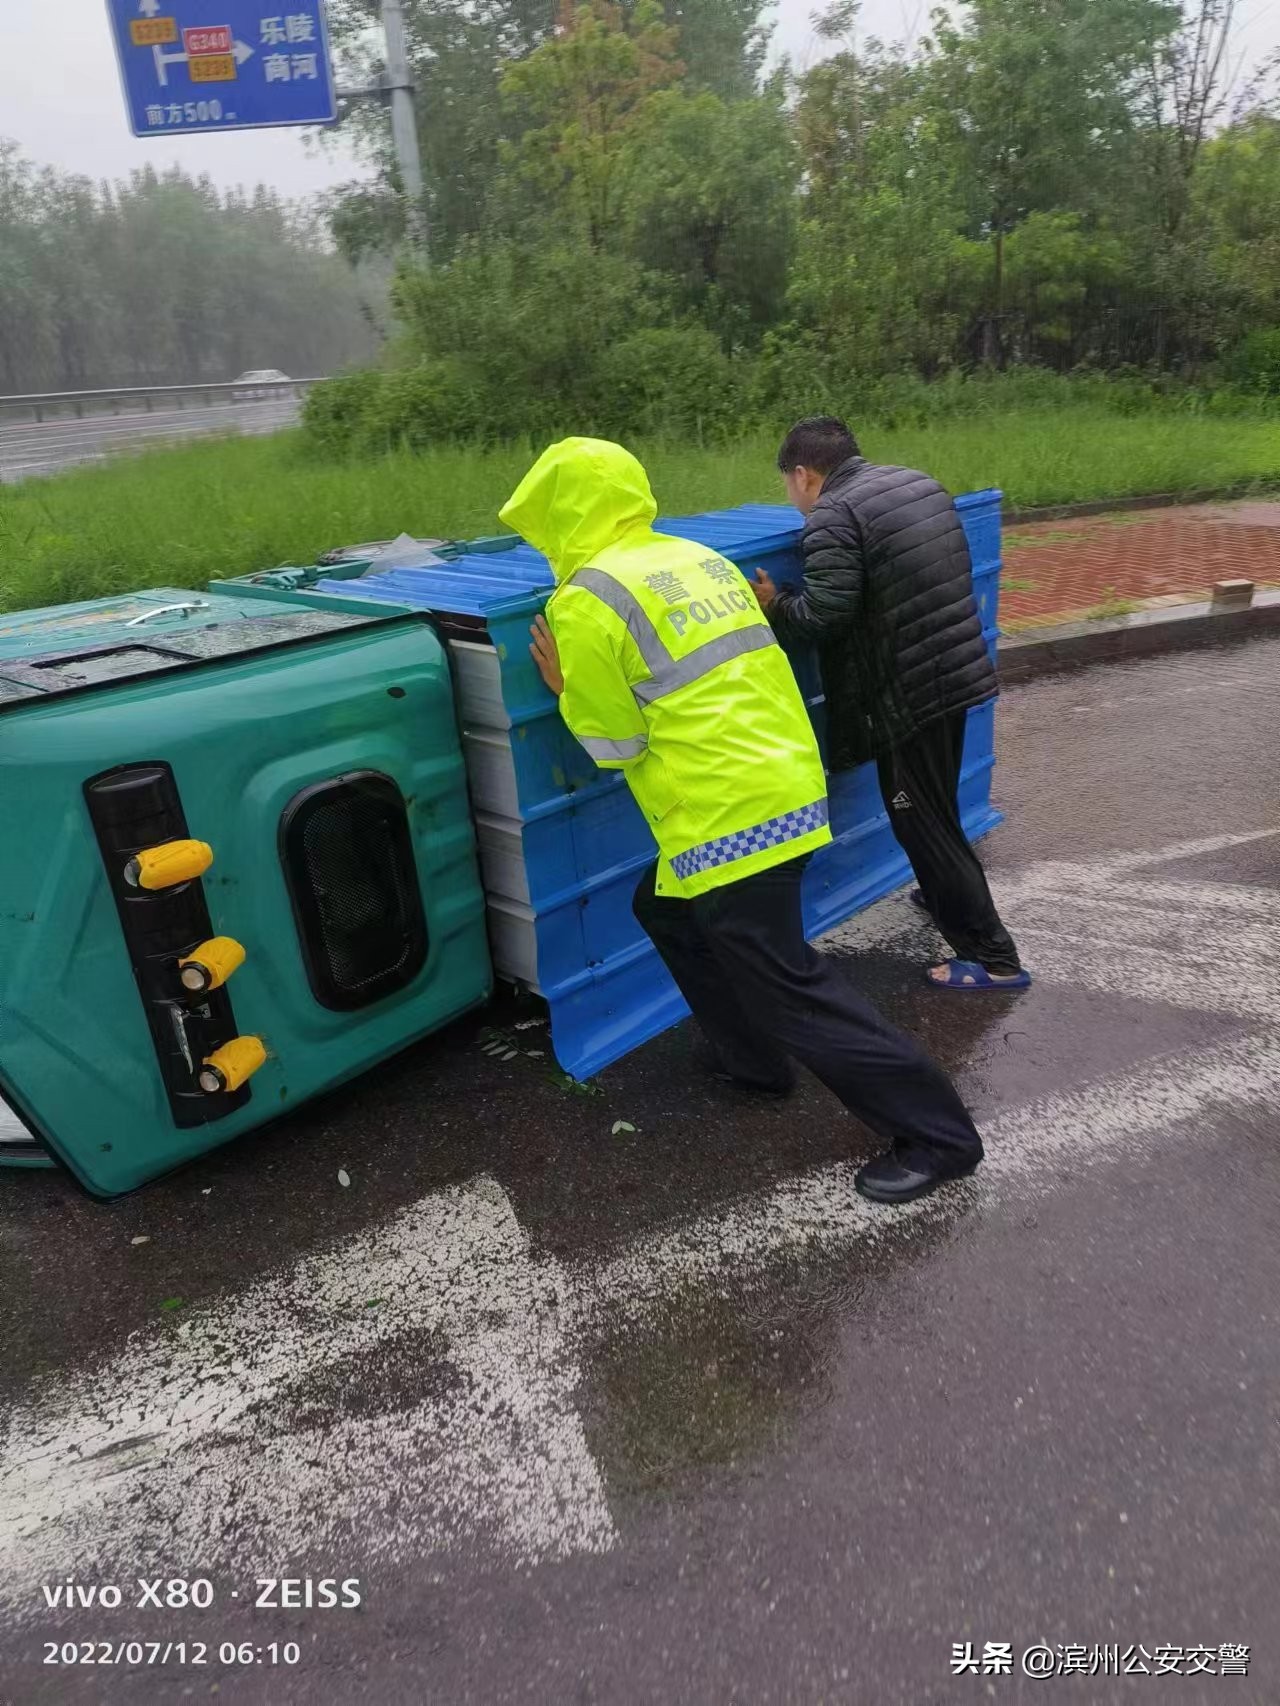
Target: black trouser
x,y
919,780
761,993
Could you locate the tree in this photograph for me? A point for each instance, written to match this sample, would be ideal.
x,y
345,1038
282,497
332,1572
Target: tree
x,y
843,102
27,341
579,100
882,273
1001,194
529,323
1061,273
161,280
1235,195
1187,85
723,44
711,202
1185,95
1035,102
458,51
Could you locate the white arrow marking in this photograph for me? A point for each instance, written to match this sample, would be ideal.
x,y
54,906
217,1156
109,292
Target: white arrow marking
x,y
240,49
148,8
279,1413
163,61
221,1438
445,1416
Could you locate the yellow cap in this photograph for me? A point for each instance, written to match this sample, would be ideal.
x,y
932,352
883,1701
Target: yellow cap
x,y
169,863
211,964
232,1065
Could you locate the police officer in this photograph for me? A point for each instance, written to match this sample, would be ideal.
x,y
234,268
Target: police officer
x,y
667,670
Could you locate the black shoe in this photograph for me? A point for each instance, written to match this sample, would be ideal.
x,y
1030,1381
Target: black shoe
x,y
775,1089
906,1172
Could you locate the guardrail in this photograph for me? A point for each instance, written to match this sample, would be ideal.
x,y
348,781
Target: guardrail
x,y
36,405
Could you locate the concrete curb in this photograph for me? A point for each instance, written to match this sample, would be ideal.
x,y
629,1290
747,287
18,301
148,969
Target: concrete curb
x,y
1179,627
1129,506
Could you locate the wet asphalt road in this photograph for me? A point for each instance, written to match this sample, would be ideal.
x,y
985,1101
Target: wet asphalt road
x,y
665,1415
29,449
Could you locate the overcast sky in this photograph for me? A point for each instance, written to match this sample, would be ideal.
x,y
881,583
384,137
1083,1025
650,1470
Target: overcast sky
x,y
60,97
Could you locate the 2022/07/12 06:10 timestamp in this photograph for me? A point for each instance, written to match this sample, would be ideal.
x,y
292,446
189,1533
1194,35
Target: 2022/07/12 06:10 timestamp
x,y
136,1654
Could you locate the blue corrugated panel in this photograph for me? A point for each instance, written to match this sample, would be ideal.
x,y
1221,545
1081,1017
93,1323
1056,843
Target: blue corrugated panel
x,y
582,841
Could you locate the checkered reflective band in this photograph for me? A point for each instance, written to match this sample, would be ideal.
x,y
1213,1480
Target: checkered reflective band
x,y
744,842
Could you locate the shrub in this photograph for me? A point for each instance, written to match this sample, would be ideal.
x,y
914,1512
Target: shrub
x,y
419,406
333,414
531,324
676,383
670,382
1255,363
792,376
650,383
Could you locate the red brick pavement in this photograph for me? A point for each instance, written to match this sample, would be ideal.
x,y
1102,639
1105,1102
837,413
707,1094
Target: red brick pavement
x,y
1056,571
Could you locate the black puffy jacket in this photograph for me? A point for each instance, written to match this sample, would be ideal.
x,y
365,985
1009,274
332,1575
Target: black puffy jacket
x,y
888,601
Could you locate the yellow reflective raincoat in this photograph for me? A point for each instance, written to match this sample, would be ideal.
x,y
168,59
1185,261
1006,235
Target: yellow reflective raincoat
x,y
671,673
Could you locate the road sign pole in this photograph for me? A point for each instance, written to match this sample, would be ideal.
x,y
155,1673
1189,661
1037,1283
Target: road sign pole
x,y
404,129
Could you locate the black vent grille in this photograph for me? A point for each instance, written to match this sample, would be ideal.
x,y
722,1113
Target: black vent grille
x,y
132,807
348,861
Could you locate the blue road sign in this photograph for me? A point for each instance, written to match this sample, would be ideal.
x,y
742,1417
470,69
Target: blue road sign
x,y
191,65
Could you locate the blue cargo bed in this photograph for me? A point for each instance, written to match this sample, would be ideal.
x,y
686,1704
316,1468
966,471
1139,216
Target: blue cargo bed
x,y
562,844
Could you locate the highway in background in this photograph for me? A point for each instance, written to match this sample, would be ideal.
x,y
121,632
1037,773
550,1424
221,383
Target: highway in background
x,y
29,448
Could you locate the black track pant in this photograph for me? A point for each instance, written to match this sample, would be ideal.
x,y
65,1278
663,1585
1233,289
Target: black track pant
x,y
919,781
761,993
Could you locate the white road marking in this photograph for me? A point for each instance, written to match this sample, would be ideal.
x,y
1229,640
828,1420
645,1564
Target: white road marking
x,y
1177,851
199,1435
262,1420
1108,911
823,1212
1109,927
1203,899
1196,690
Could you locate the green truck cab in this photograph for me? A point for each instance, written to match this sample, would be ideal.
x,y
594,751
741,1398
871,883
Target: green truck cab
x,y
230,828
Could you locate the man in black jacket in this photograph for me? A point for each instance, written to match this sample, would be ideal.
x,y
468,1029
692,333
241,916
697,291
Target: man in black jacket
x,y
888,601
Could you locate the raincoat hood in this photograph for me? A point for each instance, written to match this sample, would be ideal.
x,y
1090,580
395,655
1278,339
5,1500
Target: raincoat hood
x,y
580,496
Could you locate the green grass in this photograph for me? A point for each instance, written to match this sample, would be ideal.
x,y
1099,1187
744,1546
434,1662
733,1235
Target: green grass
x,y
184,516
1112,605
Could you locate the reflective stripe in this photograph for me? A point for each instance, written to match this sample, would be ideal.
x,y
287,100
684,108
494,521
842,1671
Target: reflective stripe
x,y
679,673
744,842
628,606
604,750
668,673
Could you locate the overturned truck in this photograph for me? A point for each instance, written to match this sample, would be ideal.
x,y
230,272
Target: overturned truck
x,y
260,838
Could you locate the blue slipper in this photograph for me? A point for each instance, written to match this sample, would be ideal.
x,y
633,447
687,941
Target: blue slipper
x,y
969,975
